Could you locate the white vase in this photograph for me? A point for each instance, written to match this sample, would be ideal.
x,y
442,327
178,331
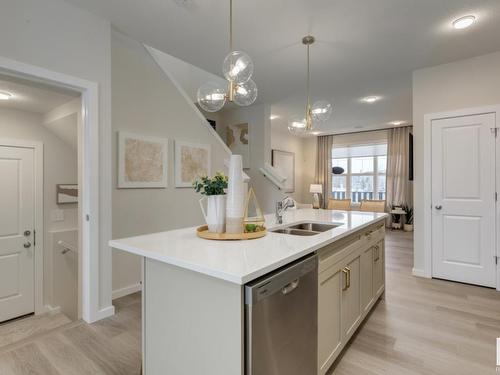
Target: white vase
x,y
236,194
215,216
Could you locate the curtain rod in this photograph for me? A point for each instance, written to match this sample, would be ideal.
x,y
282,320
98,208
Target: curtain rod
x,y
366,131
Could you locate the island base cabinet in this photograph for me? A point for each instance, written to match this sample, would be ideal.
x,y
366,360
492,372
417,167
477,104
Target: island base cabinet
x,y
351,292
347,290
329,325
378,268
184,314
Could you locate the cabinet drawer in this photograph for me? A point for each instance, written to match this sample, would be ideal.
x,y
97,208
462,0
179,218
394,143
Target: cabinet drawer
x,y
335,252
374,234
332,254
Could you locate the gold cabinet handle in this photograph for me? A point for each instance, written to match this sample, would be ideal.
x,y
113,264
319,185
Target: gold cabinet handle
x,y
345,272
348,277
377,253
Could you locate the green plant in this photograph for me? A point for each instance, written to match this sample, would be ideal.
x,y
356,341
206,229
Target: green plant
x,y
211,186
409,214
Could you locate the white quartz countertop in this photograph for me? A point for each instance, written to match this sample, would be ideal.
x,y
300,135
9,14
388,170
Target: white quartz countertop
x,y
243,261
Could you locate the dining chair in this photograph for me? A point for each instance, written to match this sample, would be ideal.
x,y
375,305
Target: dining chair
x,y
372,206
339,204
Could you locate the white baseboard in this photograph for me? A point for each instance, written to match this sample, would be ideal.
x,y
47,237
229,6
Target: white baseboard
x,y
419,273
122,292
48,308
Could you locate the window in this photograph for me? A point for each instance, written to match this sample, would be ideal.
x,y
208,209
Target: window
x,y
364,172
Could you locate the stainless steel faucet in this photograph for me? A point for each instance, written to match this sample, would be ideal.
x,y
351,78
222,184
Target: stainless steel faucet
x,y
281,207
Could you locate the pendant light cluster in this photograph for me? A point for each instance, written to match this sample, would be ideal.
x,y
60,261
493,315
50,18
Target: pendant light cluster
x,y
237,69
315,114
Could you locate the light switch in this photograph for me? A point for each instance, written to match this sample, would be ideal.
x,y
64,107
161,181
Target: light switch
x,y
57,215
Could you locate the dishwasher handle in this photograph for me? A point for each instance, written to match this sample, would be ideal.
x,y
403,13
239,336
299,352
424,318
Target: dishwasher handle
x,y
290,287
283,281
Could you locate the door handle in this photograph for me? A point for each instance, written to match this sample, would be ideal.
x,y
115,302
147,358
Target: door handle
x,y
290,287
27,245
438,207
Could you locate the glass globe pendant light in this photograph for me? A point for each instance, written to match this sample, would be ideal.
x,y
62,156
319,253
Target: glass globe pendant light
x,y
317,113
237,69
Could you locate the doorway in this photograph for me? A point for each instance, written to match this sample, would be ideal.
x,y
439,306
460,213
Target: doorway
x,y
39,199
94,191
461,207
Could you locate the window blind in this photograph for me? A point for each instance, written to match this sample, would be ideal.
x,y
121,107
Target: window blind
x,y
359,151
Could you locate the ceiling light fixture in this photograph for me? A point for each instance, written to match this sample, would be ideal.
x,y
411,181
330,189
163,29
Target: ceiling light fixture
x,y
464,22
371,99
237,69
317,113
5,95
273,117
397,123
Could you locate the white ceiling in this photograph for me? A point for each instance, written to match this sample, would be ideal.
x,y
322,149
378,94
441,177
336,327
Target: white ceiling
x,y
33,96
363,47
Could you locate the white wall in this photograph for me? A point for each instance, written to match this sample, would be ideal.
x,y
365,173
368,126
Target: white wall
x,y
146,102
463,84
281,139
309,156
55,35
60,166
259,129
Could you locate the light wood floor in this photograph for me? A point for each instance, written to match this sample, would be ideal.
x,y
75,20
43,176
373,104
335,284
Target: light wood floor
x,y
52,345
422,327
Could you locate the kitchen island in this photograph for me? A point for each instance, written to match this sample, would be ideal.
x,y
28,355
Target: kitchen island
x,y
194,295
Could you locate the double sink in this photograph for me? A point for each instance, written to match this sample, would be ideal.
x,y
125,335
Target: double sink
x,y
305,229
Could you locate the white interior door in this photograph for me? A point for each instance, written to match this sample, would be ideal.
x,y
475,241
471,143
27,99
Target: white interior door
x,y
463,199
16,216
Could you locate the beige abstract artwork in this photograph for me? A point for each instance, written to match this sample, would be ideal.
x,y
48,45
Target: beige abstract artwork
x,y
237,139
192,160
143,161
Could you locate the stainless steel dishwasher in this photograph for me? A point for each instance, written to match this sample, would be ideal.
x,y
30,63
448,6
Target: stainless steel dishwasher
x,y
281,321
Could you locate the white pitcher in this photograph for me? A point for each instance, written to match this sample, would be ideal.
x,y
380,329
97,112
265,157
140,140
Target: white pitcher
x,y
215,215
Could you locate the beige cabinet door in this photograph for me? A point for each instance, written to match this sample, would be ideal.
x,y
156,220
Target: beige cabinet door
x,y
329,310
351,296
367,289
378,267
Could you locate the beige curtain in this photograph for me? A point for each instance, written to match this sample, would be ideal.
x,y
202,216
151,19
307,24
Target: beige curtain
x,y
399,187
323,173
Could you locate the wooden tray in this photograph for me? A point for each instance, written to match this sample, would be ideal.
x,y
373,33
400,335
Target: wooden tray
x,y
204,233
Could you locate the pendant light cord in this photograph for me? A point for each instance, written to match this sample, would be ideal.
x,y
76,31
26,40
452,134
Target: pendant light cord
x,y
230,25
307,81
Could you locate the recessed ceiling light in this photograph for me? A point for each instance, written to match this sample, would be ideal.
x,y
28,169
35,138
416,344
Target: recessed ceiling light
x,y
371,99
5,95
273,117
316,133
397,123
464,22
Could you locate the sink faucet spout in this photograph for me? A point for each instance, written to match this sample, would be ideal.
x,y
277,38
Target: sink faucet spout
x,y
281,207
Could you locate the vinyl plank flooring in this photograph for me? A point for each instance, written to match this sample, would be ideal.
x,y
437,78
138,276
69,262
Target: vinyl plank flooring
x,y
28,327
424,326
